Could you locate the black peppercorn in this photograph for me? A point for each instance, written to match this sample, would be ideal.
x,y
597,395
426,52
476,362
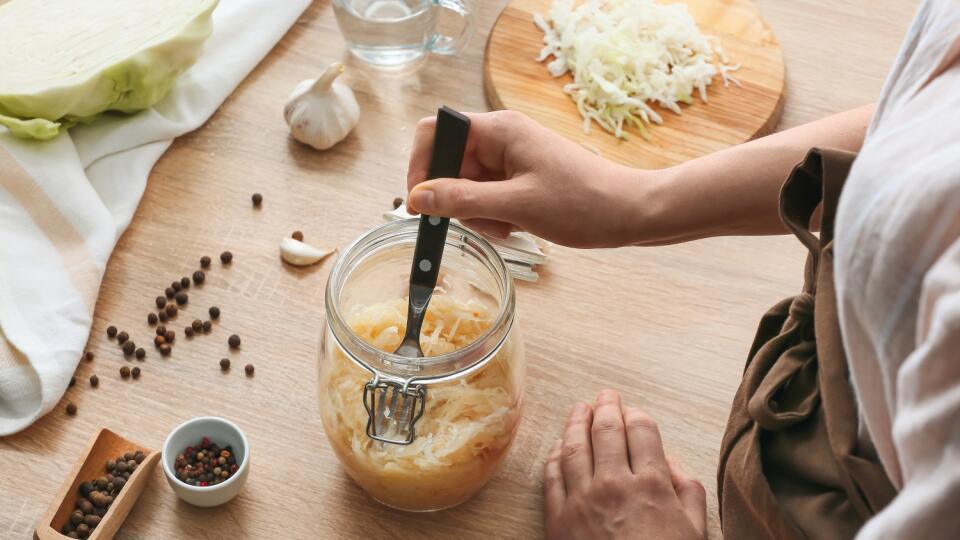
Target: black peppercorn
x,y
163,316
125,372
233,341
111,332
224,364
226,257
94,381
160,301
248,369
257,199
170,336
199,277
152,319
171,310
197,325
135,372
297,235
140,353
184,282
169,292
176,286
205,262
88,356
129,348
207,326
188,331
73,380
181,298
214,312
397,202
122,337
165,349
71,409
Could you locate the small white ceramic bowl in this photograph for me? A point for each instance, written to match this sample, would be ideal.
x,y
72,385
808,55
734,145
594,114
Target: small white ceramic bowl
x,y
224,433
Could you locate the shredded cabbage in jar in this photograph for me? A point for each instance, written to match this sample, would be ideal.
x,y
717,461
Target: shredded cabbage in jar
x,y
468,424
627,54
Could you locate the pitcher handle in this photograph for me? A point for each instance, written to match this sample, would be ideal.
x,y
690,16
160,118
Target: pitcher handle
x,y
449,45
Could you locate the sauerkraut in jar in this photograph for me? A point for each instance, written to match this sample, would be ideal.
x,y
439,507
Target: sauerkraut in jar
x,y
471,376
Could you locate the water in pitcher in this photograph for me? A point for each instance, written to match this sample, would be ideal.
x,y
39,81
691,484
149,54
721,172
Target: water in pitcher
x,y
386,32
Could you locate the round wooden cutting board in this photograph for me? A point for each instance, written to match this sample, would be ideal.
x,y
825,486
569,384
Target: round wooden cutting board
x,y
513,79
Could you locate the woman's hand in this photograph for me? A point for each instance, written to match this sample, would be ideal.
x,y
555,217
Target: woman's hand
x,y
609,478
518,174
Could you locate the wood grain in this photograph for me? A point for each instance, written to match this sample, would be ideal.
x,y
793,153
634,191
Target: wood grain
x,y
514,80
669,327
104,445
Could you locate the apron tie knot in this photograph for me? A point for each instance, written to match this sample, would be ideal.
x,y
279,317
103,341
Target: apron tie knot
x,y
801,309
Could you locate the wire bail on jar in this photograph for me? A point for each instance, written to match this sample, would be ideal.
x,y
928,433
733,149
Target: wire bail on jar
x,y
393,407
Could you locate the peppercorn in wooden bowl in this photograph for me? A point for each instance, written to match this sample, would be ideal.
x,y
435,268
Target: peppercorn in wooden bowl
x,y
105,446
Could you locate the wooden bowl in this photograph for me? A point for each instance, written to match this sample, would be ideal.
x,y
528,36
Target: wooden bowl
x,y
103,446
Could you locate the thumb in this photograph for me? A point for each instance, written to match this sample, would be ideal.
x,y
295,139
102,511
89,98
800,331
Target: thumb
x,y
464,199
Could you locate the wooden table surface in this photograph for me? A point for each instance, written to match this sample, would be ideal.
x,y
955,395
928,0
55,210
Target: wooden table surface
x,y
668,327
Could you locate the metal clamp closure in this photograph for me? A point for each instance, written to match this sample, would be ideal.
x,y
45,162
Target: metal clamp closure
x,y
393,408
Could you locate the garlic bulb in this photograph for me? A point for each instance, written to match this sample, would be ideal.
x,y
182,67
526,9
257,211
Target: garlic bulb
x,y
322,111
300,253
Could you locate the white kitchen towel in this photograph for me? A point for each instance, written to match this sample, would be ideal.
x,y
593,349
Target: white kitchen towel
x,y
65,202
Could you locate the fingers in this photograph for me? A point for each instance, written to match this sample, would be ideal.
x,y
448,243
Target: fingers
x,y
607,434
576,457
420,151
644,444
466,199
692,495
490,227
553,491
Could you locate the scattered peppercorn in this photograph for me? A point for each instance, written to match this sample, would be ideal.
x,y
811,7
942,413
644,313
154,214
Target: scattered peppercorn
x,y
181,298
197,324
171,310
248,369
176,286
169,292
122,337
129,348
257,199
125,372
165,349
111,332
207,326
94,381
140,353
199,277
71,409
214,312
185,282
188,331
169,336
160,301
233,341
88,356
226,257
397,202
224,364
152,319
135,372
161,330
73,380
205,465
205,262
163,316
297,235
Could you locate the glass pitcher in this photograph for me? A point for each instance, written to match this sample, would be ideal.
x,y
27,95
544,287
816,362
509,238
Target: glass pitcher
x,y
420,434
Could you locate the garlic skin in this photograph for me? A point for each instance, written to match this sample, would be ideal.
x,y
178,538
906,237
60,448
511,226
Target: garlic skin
x,y
300,253
322,111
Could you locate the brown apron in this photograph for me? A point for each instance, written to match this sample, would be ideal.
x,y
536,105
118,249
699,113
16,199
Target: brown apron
x,y
789,466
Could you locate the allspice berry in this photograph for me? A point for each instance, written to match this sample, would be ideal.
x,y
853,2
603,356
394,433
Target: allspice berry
x,y
207,326
76,517
152,319
199,277
214,312
257,199
205,262
176,286
125,372
161,330
162,316
111,332
224,364
135,372
170,336
122,337
165,349
233,341
158,341
181,298
397,202
88,356
185,282
71,409
140,353
188,331
92,520
129,348
83,530
297,235
169,292
171,310
161,301
197,325
94,381
226,257
248,369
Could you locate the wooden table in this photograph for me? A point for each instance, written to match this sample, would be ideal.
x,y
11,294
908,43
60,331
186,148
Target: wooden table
x,y
669,327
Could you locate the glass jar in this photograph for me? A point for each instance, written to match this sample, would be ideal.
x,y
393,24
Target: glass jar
x,y
420,434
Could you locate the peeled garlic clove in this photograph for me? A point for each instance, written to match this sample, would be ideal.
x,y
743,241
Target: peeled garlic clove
x,y
300,253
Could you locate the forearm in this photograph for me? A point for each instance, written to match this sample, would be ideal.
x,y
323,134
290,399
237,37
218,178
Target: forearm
x,y
736,191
